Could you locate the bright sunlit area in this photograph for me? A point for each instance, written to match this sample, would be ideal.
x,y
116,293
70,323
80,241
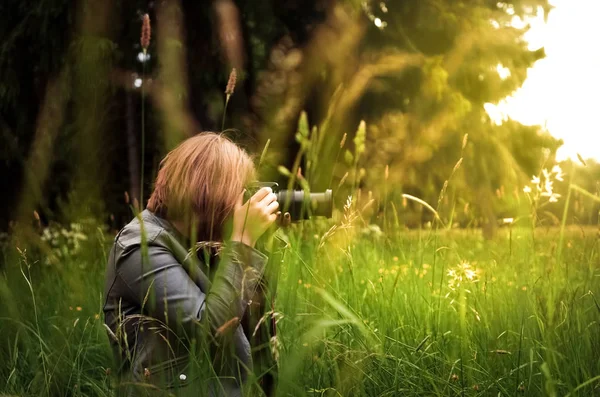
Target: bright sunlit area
x,y
560,92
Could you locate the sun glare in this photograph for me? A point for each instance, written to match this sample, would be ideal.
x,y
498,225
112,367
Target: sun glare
x,y
560,90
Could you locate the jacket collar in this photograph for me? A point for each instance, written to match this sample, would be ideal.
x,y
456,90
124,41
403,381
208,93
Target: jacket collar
x,y
149,216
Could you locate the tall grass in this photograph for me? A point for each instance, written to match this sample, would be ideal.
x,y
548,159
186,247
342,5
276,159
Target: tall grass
x,y
360,312
358,316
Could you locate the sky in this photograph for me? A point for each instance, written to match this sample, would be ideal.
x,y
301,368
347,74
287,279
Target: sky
x,y
562,91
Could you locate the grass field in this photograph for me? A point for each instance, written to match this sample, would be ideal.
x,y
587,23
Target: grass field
x,y
412,313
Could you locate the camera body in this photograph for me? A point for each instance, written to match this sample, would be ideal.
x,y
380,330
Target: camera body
x,y
299,203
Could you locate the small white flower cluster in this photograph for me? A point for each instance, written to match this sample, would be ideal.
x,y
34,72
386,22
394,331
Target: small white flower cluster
x,y
544,186
461,274
461,279
63,241
372,230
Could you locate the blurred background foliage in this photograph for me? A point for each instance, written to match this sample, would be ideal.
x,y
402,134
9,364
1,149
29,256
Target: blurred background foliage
x,y
73,78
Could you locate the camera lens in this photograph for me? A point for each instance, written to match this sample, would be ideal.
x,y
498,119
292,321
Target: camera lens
x,y
301,205
321,204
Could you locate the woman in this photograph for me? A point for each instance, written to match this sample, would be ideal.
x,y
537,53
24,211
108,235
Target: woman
x,y
177,318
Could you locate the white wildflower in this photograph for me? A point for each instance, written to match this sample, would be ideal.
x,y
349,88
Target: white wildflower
x,y
548,185
464,272
558,173
470,274
546,173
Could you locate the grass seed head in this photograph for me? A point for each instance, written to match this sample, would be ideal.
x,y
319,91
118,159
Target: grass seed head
x,y
146,32
457,165
343,141
231,82
360,138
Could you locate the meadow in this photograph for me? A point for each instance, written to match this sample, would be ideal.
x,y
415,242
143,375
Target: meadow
x,y
360,313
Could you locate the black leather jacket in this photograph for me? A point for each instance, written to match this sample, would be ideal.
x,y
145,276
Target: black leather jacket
x,y
160,298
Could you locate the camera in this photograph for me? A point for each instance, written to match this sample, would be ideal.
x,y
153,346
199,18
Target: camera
x,y
299,203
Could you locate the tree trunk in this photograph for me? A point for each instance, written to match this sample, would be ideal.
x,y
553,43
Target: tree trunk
x,y
490,225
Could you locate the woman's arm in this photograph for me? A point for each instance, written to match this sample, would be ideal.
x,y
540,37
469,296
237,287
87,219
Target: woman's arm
x,y
166,292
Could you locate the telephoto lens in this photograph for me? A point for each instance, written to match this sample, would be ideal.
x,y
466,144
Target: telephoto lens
x,y
303,205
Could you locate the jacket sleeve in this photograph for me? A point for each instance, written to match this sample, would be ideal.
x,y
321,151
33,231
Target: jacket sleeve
x,y
166,292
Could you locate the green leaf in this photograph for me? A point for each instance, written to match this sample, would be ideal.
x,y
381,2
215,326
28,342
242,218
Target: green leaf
x,y
303,125
348,157
284,171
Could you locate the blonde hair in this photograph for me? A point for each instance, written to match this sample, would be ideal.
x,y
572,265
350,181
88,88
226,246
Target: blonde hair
x,y
199,183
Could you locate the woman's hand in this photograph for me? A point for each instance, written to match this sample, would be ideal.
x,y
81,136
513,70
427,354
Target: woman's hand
x,y
252,219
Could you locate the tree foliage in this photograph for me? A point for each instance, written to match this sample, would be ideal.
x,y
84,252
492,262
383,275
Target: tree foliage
x,y
418,72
